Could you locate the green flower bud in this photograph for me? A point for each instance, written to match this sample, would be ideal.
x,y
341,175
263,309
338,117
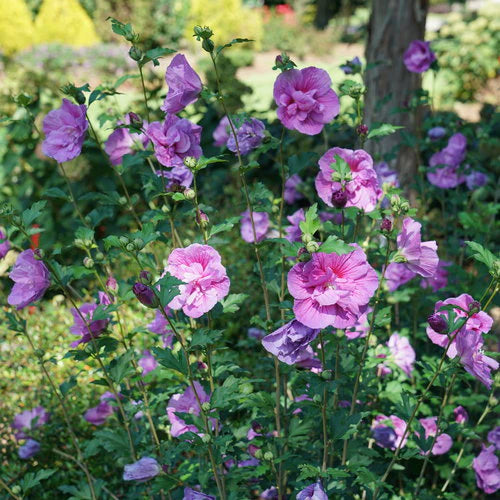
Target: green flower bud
x,y
39,353
88,262
130,247
246,388
205,406
327,374
123,240
306,238
99,256
312,246
317,398
189,194
80,97
206,438
135,53
268,455
208,45
139,244
191,162
259,454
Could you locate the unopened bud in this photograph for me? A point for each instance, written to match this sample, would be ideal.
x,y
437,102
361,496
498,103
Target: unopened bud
x,y
145,277
362,130
190,162
327,374
259,453
123,240
339,198
130,247
206,438
312,246
145,295
474,306
208,45
189,194
202,219
99,256
205,406
88,262
386,225
38,253
268,455
39,353
203,32
111,283
80,97
306,238
438,323
138,243
135,53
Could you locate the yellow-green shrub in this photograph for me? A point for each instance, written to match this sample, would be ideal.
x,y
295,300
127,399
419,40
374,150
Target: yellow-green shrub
x,y
64,21
227,18
16,26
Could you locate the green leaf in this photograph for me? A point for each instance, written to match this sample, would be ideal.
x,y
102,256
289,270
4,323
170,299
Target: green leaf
x,y
312,222
124,30
482,254
382,130
84,233
204,337
223,395
234,41
32,479
168,288
300,161
333,244
383,317
172,361
344,425
55,192
232,302
205,162
224,226
31,214
155,54
67,385
308,472
121,367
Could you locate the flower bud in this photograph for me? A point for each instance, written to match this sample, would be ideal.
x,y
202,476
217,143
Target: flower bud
x,y
317,398
438,323
123,240
252,450
191,162
80,97
202,219
306,238
38,253
256,426
138,243
206,438
205,406
259,453
145,277
88,262
122,201
135,53
99,256
327,374
189,194
204,32
312,246
386,225
39,353
362,130
111,283
130,247
339,198
268,455
145,295
208,45
474,306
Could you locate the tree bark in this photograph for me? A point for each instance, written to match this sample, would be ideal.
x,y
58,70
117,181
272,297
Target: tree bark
x,y
393,25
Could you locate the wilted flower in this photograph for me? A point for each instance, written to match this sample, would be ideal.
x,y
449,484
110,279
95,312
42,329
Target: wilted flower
x,y
494,437
419,257
4,244
205,278
418,56
144,469
436,133
185,403
385,438
288,342
28,420
122,141
485,466
293,232
260,222
476,179
440,278
174,139
249,134
28,449
402,352
221,132
31,280
461,415
314,491
190,494
99,414
305,100
184,85
363,190
332,289
479,322
83,324
291,193
147,362
443,442
64,130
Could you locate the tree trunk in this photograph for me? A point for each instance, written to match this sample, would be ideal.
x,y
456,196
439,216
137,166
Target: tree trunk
x,y
393,25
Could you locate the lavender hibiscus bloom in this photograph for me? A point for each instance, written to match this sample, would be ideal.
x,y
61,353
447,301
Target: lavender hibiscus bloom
x,y
143,470
28,420
221,133
461,415
494,437
440,278
288,342
443,442
31,280
261,223
64,130
436,133
161,327
190,494
4,244
402,352
174,139
122,141
291,193
314,491
445,163
147,362
184,85
485,466
385,438
179,175
293,232
352,66
305,100
249,135
28,449
84,326
419,56
475,180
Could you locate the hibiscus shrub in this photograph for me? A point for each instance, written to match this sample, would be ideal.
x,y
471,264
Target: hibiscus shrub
x,y
271,321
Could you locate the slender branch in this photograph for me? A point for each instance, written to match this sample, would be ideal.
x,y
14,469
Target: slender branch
x,y
5,486
144,90
323,407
